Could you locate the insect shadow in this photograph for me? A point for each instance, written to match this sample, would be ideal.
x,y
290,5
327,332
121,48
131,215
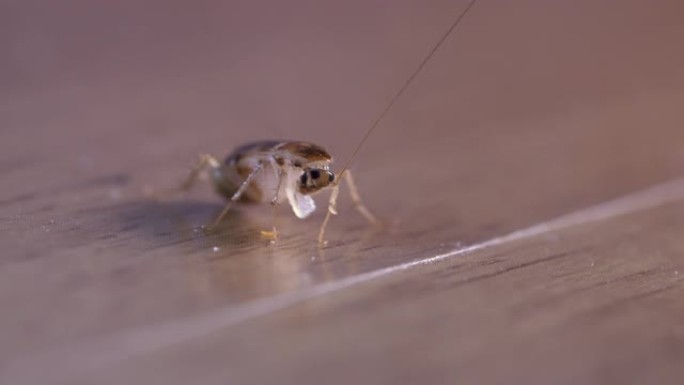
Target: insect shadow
x,y
169,223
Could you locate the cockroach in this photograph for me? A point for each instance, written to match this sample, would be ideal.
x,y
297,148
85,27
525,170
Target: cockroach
x,y
291,171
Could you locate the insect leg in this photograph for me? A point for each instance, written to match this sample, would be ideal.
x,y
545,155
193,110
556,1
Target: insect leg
x,y
332,210
237,195
279,175
203,163
273,234
356,199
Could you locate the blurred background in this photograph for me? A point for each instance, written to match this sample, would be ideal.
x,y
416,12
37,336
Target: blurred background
x,y
530,110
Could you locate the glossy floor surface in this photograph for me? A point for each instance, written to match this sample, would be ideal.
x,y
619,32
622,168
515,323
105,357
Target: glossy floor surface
x,y
528,182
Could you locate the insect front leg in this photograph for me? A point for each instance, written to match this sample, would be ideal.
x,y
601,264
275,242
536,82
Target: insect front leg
x,y
356,200
332,210
237,195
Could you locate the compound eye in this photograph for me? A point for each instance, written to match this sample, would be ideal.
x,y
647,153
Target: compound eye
x,y
315,174
303,178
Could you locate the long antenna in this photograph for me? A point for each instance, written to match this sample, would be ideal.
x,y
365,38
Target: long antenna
x,y
403,88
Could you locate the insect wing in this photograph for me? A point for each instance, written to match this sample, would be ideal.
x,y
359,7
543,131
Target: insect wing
x,y
302,205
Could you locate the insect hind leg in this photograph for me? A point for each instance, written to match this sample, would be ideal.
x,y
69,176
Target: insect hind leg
x,y
204,163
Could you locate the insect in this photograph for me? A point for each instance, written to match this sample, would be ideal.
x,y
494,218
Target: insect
x,y
278,171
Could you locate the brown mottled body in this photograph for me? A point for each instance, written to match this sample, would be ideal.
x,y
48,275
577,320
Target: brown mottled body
x,y
274,172
288,156
291,170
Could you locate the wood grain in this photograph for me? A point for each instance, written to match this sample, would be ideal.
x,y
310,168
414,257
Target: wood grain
x,y
533,110
598,303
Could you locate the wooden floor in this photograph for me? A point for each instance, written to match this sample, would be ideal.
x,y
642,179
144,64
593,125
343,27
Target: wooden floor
x,y
530,184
